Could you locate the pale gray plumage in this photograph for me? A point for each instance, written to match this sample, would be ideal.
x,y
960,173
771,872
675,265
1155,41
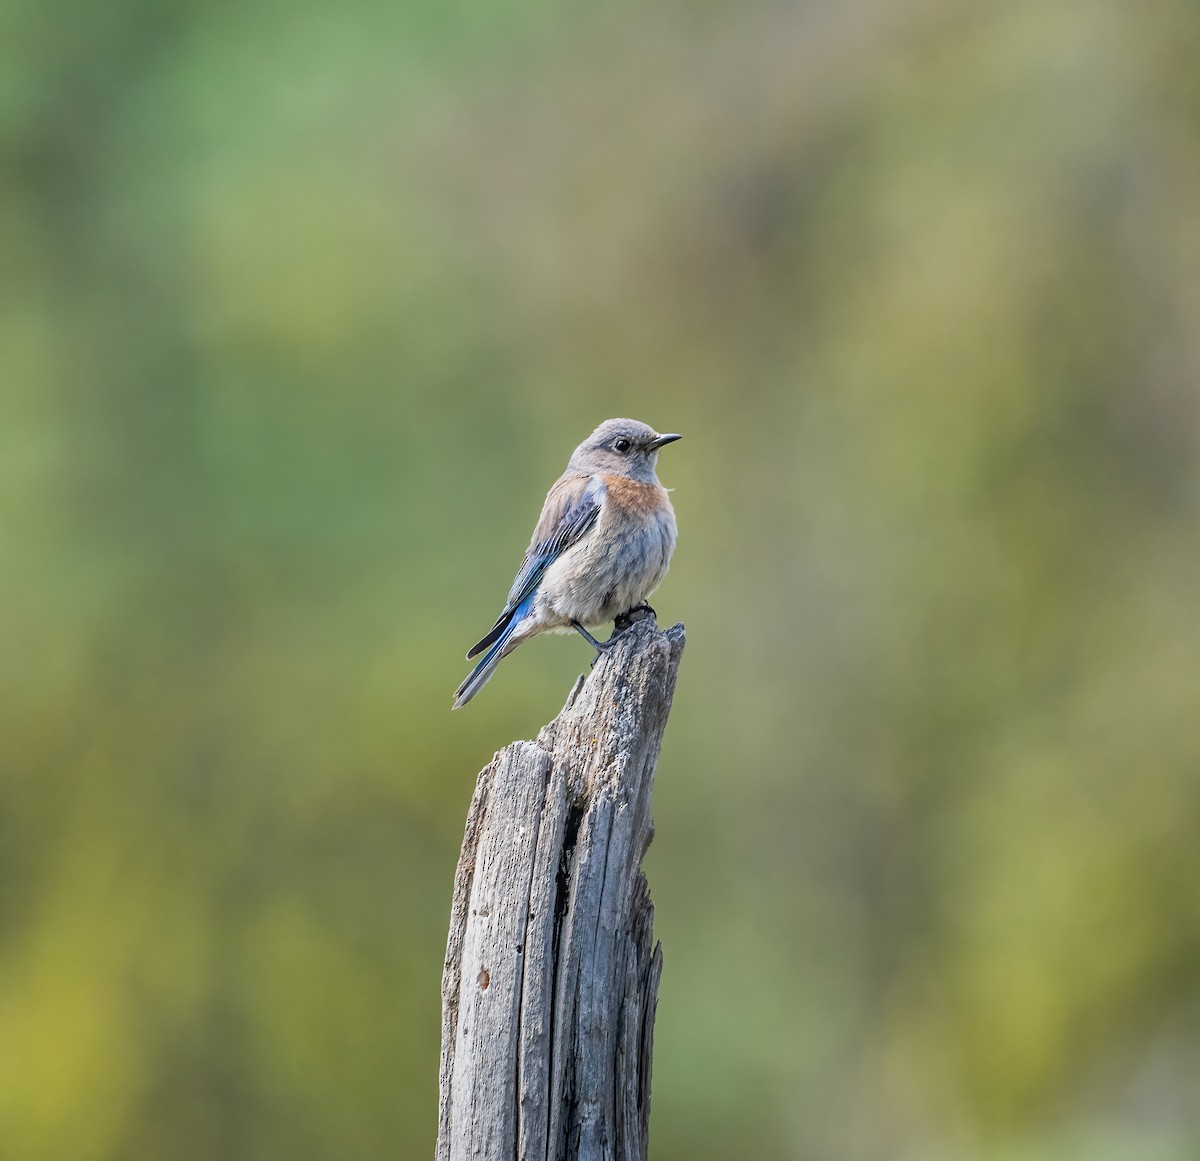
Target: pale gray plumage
x,y
601,546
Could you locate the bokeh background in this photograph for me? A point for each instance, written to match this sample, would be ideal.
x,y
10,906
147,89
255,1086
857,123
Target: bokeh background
x,y
303,307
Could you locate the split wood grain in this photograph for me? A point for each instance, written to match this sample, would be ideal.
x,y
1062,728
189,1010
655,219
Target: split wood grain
x,y
551,975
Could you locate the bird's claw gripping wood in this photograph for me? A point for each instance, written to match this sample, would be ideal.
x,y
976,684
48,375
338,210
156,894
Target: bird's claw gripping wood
x,y
630,617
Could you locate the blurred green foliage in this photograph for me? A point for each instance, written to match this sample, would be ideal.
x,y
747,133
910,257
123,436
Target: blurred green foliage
x,y
303,307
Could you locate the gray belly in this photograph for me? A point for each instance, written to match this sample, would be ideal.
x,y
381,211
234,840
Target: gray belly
x,y
609,574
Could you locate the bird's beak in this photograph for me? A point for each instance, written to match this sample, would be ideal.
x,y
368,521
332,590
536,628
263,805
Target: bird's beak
x,y
662,441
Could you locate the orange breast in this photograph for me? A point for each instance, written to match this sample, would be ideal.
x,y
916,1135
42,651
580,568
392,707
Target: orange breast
x,y
634,497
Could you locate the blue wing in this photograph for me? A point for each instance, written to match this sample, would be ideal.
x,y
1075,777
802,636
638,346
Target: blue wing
x,y
571,509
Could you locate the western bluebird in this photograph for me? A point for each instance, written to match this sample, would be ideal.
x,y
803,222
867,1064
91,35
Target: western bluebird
x,y
601,546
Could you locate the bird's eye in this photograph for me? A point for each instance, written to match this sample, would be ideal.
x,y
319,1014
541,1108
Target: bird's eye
x,y
622,445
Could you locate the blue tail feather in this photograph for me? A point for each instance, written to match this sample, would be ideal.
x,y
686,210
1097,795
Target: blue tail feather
x,y
479,676
493,634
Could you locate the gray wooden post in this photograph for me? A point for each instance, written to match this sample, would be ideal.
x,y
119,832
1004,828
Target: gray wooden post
x,y
551,976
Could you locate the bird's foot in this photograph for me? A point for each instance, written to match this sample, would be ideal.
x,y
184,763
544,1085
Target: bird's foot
x,y
630,617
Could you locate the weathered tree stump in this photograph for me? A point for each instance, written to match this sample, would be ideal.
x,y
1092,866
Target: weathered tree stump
x,y
551,976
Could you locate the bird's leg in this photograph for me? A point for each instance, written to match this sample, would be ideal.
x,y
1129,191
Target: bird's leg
x,y
599,646
621,623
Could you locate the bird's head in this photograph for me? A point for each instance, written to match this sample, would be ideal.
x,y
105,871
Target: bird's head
x,y
623,447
